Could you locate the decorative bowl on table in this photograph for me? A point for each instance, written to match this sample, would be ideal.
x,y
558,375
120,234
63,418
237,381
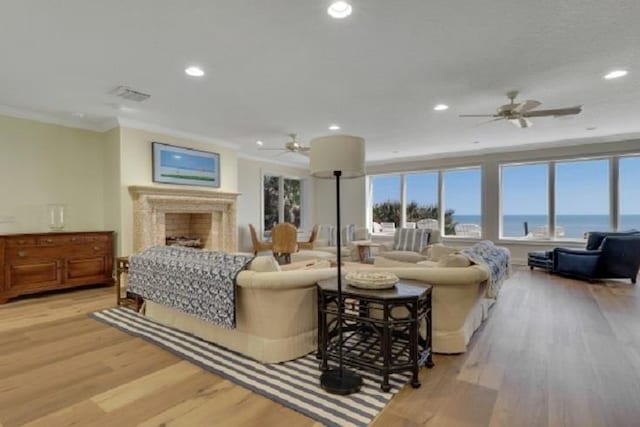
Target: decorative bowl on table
x,y
371,280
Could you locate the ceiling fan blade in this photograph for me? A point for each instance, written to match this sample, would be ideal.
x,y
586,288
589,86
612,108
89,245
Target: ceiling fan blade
x,y
477,115
488,121
554,112
522,122
525,106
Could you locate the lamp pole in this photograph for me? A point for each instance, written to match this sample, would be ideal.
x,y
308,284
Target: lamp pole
x,y
340,381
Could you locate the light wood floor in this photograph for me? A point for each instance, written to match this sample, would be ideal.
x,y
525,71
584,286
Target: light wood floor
x,y
555,352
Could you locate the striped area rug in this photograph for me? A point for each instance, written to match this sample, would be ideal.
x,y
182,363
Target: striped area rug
x,y
294,384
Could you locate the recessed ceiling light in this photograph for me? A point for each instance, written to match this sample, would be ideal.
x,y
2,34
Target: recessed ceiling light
x,y
339,9
441,107
194,71
259,143
615,74
334,127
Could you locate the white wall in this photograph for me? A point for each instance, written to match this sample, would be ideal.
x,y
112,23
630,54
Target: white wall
x,y
42,163
490,185
353,206
250,172
111,183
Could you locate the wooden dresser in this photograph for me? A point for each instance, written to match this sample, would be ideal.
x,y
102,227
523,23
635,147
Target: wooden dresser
x,y
31,263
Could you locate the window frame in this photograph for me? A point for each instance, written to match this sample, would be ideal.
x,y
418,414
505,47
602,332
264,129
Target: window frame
x,y
281,210
613,186
439,199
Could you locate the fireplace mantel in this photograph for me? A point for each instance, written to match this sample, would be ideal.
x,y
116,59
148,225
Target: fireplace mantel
x,y
152,203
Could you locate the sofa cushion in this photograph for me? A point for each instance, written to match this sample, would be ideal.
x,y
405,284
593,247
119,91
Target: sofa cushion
x,y
307,265
410,239
382,262
264,264
438,251
404,256
454,260
427,263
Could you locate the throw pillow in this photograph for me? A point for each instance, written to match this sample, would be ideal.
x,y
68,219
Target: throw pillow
x,y
439,251
326,232
410,239
264,264
454,261
404,256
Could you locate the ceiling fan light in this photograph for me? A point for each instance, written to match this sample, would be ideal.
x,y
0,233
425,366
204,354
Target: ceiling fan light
x,y
339,9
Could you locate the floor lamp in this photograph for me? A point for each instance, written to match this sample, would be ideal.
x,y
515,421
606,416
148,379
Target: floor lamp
x,y
339,157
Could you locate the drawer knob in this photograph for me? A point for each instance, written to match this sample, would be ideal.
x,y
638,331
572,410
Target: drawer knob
x,y
49,240
22,242
73,239
96,248
22,253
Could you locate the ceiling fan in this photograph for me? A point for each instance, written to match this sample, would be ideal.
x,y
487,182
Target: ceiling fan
x,y
293,146
519,113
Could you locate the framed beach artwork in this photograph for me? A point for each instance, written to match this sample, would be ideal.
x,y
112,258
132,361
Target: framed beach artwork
x,y
178,165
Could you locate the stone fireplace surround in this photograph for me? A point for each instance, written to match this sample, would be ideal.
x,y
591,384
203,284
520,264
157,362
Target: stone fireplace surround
x,y
152,203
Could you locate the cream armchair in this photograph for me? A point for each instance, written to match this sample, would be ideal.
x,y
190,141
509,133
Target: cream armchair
x,y
350,237
409,244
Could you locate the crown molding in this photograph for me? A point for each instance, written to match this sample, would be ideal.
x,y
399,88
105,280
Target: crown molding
x,y
55,119
246,156
573,142
176,133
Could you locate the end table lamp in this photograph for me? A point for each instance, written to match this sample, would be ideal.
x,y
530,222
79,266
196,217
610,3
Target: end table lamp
x,y
338,156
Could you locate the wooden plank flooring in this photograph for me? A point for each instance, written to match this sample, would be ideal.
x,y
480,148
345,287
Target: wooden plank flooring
x,y
555,352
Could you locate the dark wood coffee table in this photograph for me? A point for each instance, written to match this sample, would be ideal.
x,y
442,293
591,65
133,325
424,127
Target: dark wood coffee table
x,y
381,328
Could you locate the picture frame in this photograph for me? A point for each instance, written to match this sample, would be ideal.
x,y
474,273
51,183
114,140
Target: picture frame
x,y
185,166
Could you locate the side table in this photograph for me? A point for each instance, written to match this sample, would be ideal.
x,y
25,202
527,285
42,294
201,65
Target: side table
x,y
384,331
129,299
364,250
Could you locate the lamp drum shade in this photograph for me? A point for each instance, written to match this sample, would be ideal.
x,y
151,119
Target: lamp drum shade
x,y
342,153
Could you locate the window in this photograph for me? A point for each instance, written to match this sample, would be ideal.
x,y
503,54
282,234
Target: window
x,y
582,198
282,201
292,201
385,202
629,193
422,200
525,201
462,202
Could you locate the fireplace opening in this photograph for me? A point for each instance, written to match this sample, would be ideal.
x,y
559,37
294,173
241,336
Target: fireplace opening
x,y
188,229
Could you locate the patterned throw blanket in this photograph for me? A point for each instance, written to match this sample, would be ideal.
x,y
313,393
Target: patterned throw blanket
x,y
196,282
496,259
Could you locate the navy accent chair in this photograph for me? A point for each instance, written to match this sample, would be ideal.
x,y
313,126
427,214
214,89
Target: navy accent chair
x,y
607,256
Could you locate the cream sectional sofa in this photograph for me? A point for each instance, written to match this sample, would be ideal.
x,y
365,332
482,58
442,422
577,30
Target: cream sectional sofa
x,y
458,298
276,318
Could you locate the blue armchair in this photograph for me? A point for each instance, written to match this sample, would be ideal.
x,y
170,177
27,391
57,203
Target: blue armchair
x,y
607,256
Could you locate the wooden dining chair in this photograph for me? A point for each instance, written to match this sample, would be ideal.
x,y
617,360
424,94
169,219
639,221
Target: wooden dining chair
x,y
258,245
284,239
312,238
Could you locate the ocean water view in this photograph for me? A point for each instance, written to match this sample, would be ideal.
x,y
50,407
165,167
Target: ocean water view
x,y
573,226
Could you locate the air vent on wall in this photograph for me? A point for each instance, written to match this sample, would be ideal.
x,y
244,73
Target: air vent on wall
x,y
130,94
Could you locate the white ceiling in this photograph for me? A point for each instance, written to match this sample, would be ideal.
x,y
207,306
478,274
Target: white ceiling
x,y
281,66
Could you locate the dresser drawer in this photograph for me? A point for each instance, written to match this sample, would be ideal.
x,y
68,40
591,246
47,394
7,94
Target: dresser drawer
x,y
13,242
26,254
34,275
53,240
85,249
